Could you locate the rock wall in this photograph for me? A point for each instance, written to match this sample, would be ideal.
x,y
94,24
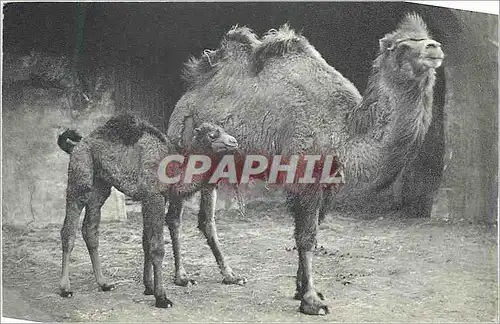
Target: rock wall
x,y
34,167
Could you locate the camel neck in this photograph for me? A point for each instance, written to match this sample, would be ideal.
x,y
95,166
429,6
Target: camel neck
x,y
394,98
389,125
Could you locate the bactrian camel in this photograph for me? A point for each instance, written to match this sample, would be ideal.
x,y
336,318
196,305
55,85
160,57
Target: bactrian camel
x,y
277,94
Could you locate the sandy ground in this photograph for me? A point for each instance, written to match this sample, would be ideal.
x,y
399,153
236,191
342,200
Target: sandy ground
x,y
369,270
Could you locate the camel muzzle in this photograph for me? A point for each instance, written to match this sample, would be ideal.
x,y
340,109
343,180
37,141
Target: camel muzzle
x,y
230,141
227,143
433,54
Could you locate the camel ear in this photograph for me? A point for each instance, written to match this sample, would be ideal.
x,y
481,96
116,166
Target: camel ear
x,y
386,44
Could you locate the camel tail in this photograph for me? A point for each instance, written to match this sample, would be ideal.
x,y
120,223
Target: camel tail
x,y
68,140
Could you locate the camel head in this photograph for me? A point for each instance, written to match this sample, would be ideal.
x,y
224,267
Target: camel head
x,y
410,50
209,138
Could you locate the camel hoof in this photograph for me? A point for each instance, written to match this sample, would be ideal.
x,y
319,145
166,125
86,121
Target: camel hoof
x,y
148,292
234,281
163,303
66,294
312,310
312,304
184,282
107,287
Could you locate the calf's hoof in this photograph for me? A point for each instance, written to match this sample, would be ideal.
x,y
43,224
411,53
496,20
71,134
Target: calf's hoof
x,y
66,293
184,282
107,287
149,291
312,304
163,302
234,281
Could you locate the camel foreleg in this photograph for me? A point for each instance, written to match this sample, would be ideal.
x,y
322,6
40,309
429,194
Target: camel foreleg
x,y
206,224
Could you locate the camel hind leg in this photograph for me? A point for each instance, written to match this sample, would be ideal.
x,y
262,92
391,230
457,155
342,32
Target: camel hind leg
x,y
325,206
80,182
68,232
90,230
326,202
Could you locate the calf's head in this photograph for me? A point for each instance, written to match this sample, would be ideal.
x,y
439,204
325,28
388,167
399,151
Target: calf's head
x,y
210,138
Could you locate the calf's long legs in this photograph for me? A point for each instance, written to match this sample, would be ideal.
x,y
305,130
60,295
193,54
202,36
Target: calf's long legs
x,y
206,224
174,220
90,231
74,208
92,200
153,209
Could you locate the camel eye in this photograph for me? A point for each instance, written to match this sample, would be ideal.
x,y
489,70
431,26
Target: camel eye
x,y
404,47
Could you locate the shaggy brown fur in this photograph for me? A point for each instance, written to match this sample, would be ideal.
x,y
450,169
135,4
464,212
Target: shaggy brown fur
x,y
126,129
125,154
237,40
283,98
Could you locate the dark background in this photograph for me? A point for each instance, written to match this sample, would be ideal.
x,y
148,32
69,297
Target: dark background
x,y
146,44
153,40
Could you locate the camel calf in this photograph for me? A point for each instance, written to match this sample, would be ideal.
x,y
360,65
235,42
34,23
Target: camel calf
x,y
125,153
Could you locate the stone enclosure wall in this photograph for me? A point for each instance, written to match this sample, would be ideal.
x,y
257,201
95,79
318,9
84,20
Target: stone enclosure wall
x,y
34,167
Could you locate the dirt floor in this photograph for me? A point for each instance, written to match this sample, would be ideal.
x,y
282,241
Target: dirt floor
x,y
370,270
